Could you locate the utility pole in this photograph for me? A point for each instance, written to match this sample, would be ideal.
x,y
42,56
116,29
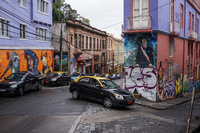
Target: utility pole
x,y
60,67
113,61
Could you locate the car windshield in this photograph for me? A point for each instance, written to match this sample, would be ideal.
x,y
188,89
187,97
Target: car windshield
x,y
108,84
56,74
75,74
15,76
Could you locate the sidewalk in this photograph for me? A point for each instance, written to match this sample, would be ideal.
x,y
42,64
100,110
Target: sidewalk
x,y
164,104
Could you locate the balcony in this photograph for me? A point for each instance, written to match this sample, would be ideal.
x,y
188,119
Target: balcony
x,y
139,23
175,28
192,35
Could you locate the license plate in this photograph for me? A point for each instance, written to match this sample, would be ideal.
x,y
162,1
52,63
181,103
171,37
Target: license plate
x,y
130,102
2,90
46,81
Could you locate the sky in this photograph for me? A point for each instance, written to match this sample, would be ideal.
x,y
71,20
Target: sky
x,y
103,14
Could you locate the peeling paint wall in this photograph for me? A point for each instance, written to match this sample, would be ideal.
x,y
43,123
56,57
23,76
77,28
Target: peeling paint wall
x,y
36,61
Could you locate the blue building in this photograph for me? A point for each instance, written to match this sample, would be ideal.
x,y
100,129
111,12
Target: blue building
x,y
161,49
25,36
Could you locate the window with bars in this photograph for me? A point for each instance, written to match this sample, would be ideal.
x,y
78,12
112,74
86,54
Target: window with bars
x,y
4,28
22,31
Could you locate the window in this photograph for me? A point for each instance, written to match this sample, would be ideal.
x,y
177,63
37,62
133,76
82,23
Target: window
x,y
79,40
181,15
42,6
197,27
192,22
86,42
41,34
75,40
22,2
189,23
170,70
97,43
38,4
4,27
84,80
171,45
94,44
90,43
47,4
22,31
82,41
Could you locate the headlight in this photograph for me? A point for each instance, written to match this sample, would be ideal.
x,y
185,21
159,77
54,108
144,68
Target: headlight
x,y
119,96
13,86
54,79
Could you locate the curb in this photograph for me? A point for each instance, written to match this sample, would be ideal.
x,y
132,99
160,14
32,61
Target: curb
x,y
74,126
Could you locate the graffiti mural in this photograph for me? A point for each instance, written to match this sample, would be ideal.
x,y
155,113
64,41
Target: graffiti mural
x,y
142,80
140,54
140,50
25,60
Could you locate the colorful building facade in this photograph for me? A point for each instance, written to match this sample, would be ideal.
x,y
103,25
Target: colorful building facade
x,y
161,51
25,43
85,46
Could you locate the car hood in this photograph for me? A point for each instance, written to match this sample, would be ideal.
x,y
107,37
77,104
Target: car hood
x,y
8,82
119,91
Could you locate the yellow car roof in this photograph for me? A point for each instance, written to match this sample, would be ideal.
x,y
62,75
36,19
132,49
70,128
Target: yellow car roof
x,y
95,77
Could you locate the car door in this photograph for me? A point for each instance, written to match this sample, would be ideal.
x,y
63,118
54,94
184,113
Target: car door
x,y
82,86
66,78
28,82
95,91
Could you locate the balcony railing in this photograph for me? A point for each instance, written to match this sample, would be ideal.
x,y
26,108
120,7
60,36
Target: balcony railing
x,y
192,34
140,23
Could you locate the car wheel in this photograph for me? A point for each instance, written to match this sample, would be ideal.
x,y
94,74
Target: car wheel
x,y
39,87
75,94
21,91
107,102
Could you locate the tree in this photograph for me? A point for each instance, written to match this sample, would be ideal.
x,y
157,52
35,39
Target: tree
x,y
64,11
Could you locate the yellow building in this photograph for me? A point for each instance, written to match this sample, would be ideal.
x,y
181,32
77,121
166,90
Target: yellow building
x,y
118,48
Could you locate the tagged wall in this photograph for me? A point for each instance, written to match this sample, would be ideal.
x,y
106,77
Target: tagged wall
x,y
36,61
140,54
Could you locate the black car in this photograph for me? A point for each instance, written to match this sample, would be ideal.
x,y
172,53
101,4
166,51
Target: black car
x,y
101,89
20,82
58,78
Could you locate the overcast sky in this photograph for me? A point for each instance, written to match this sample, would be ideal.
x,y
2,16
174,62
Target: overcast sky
x,y
101,13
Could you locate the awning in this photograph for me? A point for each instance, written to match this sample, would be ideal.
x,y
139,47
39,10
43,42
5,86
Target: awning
x,y
80,59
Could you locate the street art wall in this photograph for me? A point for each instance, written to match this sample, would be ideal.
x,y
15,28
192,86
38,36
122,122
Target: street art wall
x,y
35,61
140,55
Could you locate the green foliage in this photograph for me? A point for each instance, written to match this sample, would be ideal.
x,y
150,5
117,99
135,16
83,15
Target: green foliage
x,y
64,11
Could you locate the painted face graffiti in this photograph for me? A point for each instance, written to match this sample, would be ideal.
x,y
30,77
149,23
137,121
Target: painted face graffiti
x,y
30,62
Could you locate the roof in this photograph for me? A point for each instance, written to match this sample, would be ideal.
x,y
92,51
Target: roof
x,y
95,77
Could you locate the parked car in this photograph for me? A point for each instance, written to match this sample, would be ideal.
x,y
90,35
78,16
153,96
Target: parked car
x,y
76,75
20,82
58,78
94,74
101,89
